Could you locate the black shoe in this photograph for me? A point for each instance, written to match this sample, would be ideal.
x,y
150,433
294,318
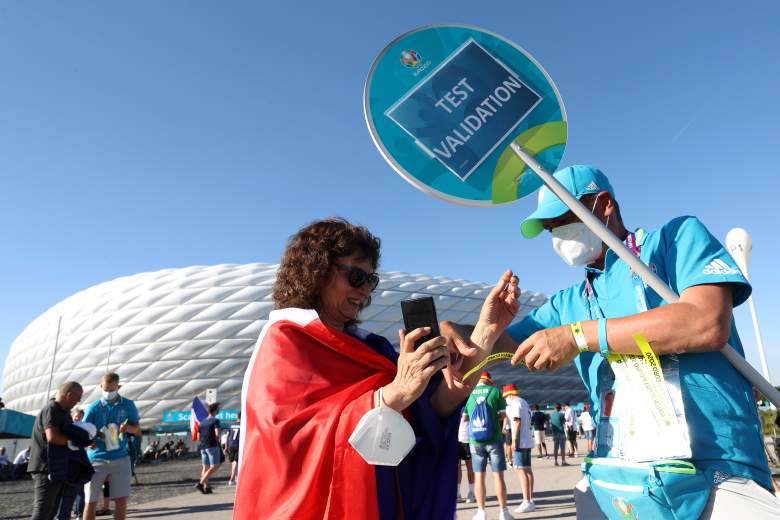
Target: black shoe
x,y
200,488
207,490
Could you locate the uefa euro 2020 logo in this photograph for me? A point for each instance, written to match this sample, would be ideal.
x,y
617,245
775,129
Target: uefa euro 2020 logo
x,y
411,59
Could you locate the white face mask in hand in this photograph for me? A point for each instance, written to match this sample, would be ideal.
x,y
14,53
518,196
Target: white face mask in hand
x,y
382,436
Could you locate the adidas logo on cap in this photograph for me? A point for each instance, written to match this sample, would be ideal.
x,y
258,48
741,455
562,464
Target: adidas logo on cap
x,y
592,186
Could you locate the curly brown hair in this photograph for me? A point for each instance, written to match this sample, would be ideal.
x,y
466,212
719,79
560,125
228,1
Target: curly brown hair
x,y
310,254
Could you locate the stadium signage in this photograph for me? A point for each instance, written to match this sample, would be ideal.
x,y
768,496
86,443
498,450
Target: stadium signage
x,y
183,416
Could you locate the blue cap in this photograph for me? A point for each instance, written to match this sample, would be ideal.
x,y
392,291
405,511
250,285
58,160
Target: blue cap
x,y
580,180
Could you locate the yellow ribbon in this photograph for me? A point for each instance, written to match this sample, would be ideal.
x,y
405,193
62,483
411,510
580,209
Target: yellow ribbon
x,y
490,359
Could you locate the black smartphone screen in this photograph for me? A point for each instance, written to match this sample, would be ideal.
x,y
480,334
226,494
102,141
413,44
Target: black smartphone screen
x,y
420,312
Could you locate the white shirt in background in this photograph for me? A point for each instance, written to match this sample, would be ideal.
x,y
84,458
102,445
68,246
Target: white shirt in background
x,y
569,417
463,430
517,407
587,421
22,457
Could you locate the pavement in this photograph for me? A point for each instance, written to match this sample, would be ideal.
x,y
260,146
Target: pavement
x,y
553,497
553,494
189,506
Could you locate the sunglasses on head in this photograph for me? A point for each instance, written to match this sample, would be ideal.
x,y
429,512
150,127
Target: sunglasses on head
x,y
358,277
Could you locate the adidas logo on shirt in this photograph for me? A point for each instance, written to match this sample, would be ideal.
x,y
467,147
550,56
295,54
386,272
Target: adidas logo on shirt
x,y
718,266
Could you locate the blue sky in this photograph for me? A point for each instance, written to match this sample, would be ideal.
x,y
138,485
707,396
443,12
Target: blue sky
x,y
138,136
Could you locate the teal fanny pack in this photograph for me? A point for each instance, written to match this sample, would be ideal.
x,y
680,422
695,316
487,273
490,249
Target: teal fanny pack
x,y
668,489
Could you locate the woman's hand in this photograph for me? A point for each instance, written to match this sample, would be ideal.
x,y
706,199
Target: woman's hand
x,y
415,368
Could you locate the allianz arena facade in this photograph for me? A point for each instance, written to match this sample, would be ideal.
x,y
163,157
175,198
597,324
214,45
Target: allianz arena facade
x,y
173,334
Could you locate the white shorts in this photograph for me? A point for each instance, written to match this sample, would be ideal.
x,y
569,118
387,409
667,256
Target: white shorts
x,y
119,486
538,437
734,498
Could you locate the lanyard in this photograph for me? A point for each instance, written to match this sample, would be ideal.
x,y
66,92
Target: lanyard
x,y
594,309
106,408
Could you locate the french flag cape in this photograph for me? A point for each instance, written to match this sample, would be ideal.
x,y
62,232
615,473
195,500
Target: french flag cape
x,y
304,391
197,414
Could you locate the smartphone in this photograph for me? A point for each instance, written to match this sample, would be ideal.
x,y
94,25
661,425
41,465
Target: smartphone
x,y
420,312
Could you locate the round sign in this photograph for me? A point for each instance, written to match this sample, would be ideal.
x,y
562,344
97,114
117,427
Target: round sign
x,y
444,102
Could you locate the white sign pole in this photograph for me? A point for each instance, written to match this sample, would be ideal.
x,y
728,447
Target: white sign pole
x,y
740,245
658,285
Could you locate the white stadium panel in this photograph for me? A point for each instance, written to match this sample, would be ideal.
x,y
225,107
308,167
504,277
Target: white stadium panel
x,y
174,333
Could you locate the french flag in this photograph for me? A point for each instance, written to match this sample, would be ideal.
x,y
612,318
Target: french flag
x,y
197,414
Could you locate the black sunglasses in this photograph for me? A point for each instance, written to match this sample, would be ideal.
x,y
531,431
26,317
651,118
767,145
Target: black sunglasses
x,y
358,277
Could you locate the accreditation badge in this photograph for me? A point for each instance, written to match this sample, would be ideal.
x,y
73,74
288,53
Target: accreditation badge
x,y
642,417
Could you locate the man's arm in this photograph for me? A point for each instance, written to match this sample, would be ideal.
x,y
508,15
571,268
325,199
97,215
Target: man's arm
x,y
76,435
699,322
55,436
131,425
134,429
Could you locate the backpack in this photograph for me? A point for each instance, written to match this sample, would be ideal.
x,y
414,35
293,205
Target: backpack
x,y
481,422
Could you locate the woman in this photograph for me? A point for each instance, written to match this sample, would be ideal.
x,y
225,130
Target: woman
x,y
314,374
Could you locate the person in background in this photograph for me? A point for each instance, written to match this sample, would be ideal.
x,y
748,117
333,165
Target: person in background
x,y
209,448
181,448
6,468
518,414
571,429
464,454
73,496
487,398
234,435
558,426
52,427
105,509
20,463
588,427
506,430
112,415
134,452
166,451
539,420
150,452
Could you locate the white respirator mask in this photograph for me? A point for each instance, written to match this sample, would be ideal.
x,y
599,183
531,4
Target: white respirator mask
x,y
109,396
382,436
576,244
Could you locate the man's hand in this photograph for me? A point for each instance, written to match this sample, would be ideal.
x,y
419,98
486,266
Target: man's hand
x,y
547,349
501,305
453,373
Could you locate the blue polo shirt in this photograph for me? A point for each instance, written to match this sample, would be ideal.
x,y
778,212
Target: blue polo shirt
x,y
107,418
723,422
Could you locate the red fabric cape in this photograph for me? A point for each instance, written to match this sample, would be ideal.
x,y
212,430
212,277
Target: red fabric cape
x,y
307,388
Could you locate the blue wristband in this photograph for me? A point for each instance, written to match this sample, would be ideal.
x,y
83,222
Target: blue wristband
x,y
603,345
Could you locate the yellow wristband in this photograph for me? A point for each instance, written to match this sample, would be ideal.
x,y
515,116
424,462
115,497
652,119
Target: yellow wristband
x,y
579,337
